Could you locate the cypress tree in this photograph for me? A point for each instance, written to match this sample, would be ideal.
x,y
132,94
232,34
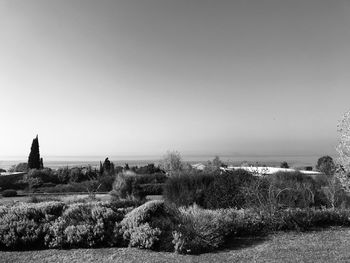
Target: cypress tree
x,y
34,161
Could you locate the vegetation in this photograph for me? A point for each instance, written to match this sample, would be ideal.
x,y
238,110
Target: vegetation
x,y
284,165
21,167
188,188
34,160
12,181
326,165
137,186
172,163
278,247
9,193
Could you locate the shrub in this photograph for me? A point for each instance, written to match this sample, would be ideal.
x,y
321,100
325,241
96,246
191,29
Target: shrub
x,y
136,186
205,230
188,188
9,193
151,189
326,165
201,230
144,236
12,181
45,175
228,190
306,219
151,225
84,225
293,189
21,167
72,187
106,182
25,225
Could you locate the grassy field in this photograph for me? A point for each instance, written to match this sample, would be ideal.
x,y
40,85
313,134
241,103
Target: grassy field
x,y
331,245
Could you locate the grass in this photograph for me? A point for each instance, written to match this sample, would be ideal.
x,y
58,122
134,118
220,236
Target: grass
x,y
331,245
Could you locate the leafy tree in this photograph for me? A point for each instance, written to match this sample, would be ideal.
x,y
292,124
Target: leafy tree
x,y
343,149
172,163
284,165
326,165
34,161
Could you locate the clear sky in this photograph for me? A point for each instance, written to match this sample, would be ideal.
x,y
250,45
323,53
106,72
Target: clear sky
x,y
200,77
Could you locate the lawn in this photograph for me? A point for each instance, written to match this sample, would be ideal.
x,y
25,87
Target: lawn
x,y
331,245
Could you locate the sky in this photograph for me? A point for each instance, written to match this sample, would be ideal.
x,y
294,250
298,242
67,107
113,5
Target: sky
x,y
201,77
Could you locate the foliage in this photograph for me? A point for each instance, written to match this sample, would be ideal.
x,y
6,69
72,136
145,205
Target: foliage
x,y
205,230
172,163
188,188
284,165
148,169
292,189
45,175
107,168
83,225
25,225
34,161
144,236
71,187
201,230
228,189
343,149
9,193
305,219
326,165
151,225
78,174
21,167
136,186
12,181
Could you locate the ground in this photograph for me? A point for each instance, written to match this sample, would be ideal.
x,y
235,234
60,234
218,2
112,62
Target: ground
x,y
330,245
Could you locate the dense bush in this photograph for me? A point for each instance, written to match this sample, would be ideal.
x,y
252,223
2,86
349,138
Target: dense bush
x,y
21,167
83,225
137,186
153,225
45,175
188,188
26,225
229,189
12,181
150,226
9,193
148,169
306,219
204,230
72,187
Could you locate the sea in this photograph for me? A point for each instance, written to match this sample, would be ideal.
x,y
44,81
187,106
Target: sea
x,y
55,162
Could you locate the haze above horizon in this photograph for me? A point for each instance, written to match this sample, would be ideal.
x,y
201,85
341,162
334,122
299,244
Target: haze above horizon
x,y
127,77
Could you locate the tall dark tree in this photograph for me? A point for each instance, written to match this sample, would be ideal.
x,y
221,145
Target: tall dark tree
x,y
34,161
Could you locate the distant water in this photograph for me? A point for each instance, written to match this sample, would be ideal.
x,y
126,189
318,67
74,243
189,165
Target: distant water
x,y
70,161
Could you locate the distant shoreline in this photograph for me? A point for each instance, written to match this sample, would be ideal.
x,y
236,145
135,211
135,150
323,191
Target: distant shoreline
x,y
62,161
